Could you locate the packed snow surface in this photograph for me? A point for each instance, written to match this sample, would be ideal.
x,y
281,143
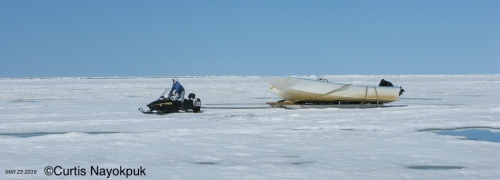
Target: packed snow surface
x,y
84,122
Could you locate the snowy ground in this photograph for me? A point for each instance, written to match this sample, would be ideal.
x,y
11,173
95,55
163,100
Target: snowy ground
x,y
84,122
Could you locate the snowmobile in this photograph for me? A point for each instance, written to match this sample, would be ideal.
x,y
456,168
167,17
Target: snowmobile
x,y
165,105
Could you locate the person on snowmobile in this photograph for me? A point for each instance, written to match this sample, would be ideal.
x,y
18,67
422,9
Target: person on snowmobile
x,y
176,90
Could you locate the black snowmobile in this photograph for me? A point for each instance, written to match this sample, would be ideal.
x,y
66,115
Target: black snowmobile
x,y
165,105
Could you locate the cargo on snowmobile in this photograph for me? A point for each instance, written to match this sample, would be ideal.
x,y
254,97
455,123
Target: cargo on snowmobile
x,y
165,105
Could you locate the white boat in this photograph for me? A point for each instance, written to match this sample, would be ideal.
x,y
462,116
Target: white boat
x,y
299,90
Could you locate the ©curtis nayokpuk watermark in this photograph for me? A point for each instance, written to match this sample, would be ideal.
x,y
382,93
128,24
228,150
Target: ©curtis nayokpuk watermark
x,y
79,171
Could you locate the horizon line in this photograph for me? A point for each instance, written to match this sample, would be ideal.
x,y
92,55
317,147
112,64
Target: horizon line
x,y
241,76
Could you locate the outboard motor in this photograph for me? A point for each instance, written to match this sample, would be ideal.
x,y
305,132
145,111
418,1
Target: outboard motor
x,y
383,82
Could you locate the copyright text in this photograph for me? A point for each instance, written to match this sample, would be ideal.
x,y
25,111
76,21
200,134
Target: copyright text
x,y
94,171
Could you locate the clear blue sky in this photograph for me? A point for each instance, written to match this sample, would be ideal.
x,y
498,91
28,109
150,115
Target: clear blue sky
x,y
42,38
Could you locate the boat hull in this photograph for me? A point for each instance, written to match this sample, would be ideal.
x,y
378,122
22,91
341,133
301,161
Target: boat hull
x,y
313,91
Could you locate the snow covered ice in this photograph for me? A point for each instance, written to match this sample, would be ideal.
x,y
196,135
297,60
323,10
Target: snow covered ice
x,y
84,122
